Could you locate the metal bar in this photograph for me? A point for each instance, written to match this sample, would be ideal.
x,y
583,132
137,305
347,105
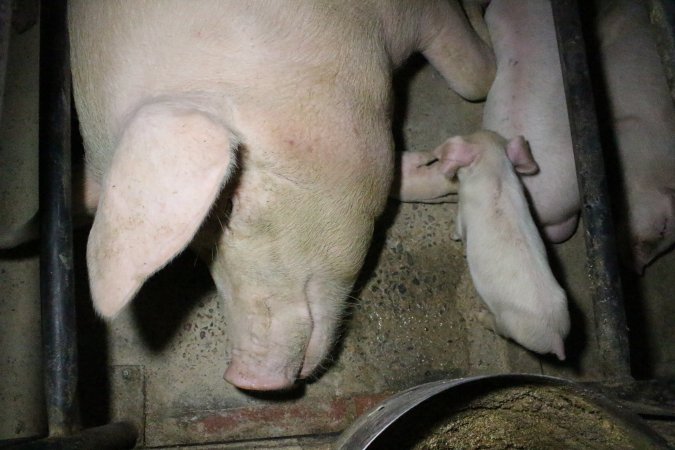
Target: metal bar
x,y
601,255
56,246
662,16
59,327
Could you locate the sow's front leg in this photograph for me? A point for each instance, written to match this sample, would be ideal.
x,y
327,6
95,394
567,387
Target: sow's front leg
x,y
454,48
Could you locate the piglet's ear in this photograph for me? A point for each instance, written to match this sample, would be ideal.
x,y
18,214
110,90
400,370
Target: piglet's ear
x,y
518,152
454,154
167,170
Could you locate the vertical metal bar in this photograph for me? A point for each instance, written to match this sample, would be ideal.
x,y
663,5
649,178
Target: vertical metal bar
x,y
56,252
601,255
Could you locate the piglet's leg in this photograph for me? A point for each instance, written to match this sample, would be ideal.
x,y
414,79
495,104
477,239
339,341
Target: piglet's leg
x,y
487,320
457,234
560,232
422,180
167,170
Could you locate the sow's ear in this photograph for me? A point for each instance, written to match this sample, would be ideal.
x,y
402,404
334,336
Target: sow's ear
x,y
518,152
454,154
167,170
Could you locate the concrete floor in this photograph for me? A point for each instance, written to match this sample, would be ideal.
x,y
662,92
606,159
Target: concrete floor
x,y
413,313
20,353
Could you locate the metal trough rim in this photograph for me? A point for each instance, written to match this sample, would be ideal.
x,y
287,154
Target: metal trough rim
x,y
371,425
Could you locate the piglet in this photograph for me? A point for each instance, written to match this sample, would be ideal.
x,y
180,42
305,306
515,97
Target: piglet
x,y
506,255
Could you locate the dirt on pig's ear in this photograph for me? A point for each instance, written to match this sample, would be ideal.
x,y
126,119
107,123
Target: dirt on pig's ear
x,y
519,153
168,169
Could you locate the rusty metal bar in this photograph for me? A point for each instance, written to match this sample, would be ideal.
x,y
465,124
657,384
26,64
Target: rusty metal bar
x,y
601,255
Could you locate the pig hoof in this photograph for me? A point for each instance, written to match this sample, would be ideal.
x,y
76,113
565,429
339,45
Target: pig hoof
x,y
487,319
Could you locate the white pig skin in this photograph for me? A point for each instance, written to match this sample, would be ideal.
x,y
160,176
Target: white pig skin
x,y
643,115
505,253
527,98
259,133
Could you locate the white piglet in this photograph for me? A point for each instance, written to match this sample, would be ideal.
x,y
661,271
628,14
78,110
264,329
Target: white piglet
x,y
504,250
